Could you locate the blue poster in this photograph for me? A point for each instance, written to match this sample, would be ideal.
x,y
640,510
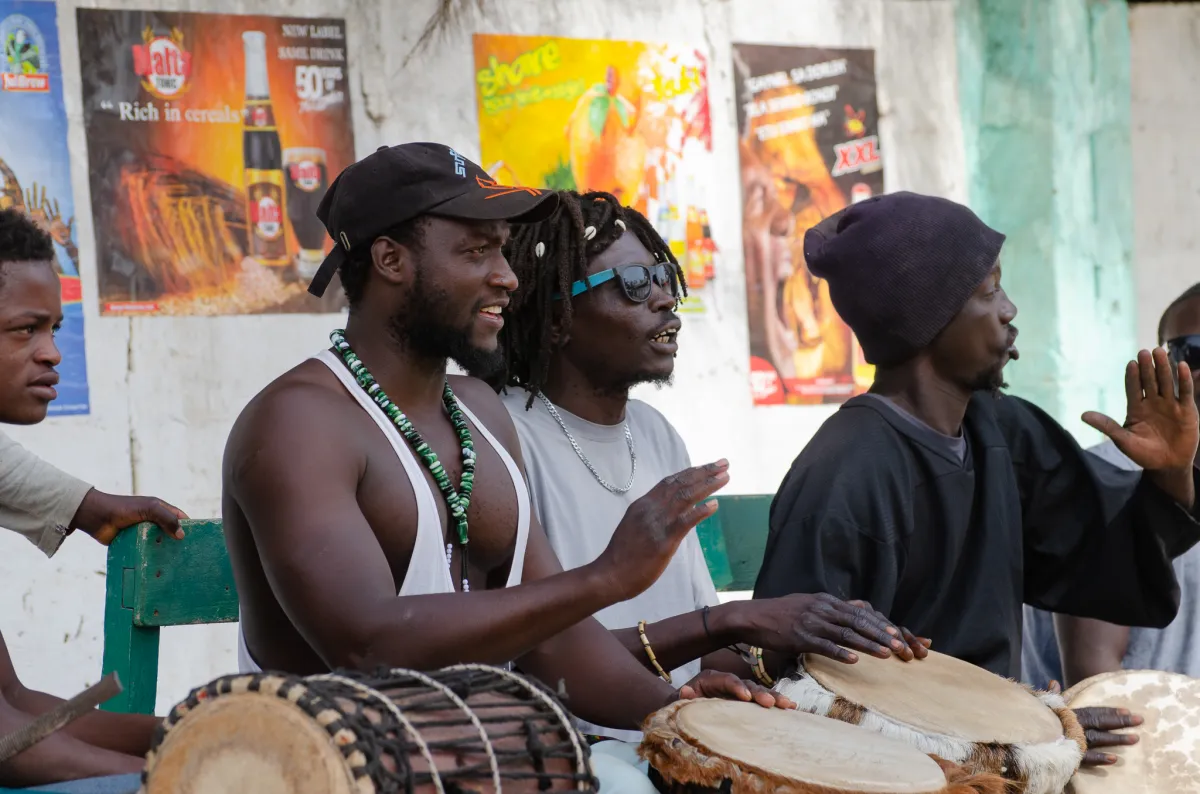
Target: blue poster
x,y
35,171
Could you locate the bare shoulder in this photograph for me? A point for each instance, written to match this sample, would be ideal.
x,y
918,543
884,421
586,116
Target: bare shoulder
x,y
303,411
489,408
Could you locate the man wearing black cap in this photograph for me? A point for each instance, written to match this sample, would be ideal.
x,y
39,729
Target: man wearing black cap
x,y
353,483
946,504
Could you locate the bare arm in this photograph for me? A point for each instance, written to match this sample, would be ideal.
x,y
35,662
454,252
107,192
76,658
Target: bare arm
x,y
1089,647
789,626
604,684
70,753
329,573
58,757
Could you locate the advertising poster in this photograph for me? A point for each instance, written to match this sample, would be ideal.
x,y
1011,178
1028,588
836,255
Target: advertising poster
x,y
808,142
625,117
211,140
35,170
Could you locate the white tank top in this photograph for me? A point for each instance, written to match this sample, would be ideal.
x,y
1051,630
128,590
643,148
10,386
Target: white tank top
x,y
427,570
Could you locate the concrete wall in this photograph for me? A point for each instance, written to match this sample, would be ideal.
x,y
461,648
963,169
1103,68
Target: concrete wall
x,y
165,391
1166,169
1045,96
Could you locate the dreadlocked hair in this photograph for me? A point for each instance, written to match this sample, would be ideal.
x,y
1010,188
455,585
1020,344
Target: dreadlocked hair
x,y
567,250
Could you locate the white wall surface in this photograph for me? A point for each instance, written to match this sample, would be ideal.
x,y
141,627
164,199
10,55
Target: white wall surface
x,y
165,391
1166,186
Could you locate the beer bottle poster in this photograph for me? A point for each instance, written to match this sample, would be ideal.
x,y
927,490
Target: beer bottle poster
x,y
211,140
808,143
625,117
35,171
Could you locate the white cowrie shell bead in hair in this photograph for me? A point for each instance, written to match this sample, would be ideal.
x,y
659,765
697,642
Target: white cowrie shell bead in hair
x,y
540,250
589,232
620,224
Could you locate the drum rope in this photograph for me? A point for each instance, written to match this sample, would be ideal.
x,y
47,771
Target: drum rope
x,y
391,707
456,700
414,701
581,764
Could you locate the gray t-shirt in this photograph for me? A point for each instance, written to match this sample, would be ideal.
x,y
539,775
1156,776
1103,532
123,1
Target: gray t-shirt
x,y
1174,649
955,447
579,515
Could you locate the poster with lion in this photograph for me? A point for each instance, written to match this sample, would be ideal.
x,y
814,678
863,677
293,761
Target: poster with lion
x,y
35,172
808,143
625,117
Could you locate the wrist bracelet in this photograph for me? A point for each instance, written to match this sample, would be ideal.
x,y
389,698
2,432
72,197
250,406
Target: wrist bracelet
x,y
704,617
760,670
663,674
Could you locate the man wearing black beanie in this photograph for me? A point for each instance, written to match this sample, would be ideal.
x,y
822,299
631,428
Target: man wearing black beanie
x,y
946,504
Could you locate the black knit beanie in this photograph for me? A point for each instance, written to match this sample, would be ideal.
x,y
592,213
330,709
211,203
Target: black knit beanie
x,y
900,266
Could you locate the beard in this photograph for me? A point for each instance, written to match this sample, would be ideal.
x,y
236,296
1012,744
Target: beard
x,y
421,327
990,380
623,386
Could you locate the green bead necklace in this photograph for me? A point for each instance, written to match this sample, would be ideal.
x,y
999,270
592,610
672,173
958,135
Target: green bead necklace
x,y
457,501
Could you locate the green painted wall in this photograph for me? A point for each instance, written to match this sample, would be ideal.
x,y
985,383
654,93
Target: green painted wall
x,y
1045,93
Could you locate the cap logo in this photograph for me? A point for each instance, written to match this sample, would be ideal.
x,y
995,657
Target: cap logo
x,y
460,166
345,240
499,190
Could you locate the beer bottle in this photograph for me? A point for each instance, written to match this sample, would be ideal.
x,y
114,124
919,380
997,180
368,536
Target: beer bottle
x,y
262,160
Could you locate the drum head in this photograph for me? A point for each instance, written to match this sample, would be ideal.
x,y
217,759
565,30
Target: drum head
x,y
1166,759
816,753
248,742
941,695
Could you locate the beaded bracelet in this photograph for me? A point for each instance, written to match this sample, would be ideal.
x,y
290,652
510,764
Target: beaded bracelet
x,y
663,674
760,670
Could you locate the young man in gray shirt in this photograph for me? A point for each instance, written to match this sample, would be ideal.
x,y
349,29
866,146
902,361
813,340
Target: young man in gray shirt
x,y
593,316
100,753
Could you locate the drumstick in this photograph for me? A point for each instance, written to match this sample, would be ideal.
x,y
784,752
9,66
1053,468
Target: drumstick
x,y
56,718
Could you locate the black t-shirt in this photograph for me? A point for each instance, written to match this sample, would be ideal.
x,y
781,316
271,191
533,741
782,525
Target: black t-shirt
x,y
881,507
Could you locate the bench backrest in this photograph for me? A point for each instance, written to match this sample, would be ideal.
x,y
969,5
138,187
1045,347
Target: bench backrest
x,y
154,581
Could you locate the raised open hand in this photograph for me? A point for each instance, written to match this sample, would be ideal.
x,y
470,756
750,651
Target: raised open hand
x,y
653,527
1161,428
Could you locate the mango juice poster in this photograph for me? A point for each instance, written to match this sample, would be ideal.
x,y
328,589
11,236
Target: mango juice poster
x,y
624,117
808,143
211,140
35,171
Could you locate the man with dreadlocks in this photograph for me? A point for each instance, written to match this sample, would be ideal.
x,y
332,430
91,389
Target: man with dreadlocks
x,y
594,316
353,483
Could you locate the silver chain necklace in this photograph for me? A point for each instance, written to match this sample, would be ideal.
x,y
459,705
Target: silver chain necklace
x,y
628,441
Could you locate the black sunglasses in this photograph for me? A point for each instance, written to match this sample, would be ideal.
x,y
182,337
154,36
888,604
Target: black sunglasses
x,y
637,281
1185,348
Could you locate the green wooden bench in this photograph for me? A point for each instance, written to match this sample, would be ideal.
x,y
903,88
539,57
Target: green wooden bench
x,y
154,581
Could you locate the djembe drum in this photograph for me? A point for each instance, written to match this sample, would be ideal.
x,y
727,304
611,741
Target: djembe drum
x,y
466,728
1166,758
703,746
950,709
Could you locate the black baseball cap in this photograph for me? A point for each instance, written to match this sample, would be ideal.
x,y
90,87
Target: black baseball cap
x,y
399,183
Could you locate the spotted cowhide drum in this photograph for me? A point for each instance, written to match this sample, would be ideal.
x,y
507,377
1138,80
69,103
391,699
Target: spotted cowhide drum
x,y
1166,759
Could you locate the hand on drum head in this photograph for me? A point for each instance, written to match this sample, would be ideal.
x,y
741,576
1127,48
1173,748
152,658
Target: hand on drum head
x,y
1097,722
654,526
727,686
914,646
824,625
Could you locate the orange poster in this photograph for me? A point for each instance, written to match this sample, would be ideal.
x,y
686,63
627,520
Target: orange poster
x,y
625,117
211,140
809,146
